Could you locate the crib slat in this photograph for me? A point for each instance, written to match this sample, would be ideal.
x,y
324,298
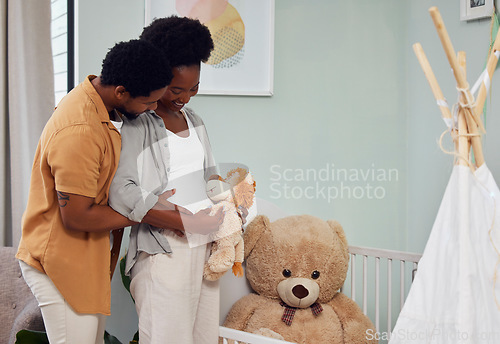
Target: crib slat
x,y
401,284
389,295
353,277
377,294
365,285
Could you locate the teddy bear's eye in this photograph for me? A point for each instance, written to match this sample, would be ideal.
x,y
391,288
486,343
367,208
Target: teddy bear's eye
x,y
315,274
287,273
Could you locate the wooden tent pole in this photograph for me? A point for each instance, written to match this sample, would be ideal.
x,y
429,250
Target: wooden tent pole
x,y
463,139
431,78
436,90
452,58
473,120
490,68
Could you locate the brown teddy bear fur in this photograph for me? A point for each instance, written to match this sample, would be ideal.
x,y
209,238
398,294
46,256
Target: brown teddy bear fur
x,y
302,245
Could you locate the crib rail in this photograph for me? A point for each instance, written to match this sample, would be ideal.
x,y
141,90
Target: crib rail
x,y
385,275
229,335
380,271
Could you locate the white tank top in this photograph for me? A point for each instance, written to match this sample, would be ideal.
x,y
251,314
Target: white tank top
x,y
185,171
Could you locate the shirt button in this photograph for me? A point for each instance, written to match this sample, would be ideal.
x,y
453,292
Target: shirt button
x,y
161,125
14,306
165,145
168,169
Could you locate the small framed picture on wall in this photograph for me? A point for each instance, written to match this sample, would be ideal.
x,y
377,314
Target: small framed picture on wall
x,y
476,9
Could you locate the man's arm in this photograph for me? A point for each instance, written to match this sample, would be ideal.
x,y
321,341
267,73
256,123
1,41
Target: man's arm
x,y
80,213
170,216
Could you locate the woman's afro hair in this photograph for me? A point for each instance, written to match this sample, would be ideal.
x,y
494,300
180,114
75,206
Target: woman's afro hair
x,y
183,40
138,66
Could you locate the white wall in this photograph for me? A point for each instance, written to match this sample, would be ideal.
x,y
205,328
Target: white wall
x,y
349,93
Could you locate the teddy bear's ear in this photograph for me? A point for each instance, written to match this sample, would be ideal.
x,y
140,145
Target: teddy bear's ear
x,y
337,227
254,231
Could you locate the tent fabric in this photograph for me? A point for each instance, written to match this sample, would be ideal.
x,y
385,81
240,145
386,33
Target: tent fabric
x,y
454,297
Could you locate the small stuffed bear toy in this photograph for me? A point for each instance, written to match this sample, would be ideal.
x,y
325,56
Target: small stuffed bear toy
x,y
227,251
296,265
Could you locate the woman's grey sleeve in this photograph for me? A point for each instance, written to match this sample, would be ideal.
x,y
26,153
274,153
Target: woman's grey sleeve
x,y
126,195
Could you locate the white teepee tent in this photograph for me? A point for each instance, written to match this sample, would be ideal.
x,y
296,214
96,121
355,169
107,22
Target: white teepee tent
x,y
455,297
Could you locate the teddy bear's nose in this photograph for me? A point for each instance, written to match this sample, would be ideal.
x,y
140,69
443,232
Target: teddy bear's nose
x,y
300,291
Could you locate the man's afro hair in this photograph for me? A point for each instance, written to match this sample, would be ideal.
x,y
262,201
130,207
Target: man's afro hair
x,y
184,41
138,66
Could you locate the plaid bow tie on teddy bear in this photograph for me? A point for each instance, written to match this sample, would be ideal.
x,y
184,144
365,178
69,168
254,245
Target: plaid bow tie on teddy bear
x,y
289,312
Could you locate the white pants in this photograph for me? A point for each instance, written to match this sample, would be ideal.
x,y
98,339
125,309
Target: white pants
x,y
62,324
174,303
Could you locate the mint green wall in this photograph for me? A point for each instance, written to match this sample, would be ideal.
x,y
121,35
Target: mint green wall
x,y
348,92
101,24
339,99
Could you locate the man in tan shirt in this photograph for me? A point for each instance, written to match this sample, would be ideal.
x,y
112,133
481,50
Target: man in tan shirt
x,y
65,247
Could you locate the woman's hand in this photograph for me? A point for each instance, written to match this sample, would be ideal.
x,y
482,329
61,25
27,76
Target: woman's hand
x,y
181,219
166,214
167,205
202,222
163,200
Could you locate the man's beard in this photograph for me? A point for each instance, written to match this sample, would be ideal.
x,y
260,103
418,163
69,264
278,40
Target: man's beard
x,y
130,116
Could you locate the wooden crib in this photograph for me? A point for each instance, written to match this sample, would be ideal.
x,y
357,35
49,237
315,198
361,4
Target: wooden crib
x,y
378,280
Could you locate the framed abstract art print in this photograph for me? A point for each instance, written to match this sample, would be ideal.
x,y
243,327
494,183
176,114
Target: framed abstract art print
x,y
243,33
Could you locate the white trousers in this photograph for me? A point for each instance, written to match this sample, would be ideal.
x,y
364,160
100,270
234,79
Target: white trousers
x,y
174,303
62,324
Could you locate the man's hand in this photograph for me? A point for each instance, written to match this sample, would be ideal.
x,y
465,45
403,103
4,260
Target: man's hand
x,y
202,222
176,231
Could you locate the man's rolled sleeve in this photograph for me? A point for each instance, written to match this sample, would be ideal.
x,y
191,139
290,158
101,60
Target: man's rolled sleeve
x,y
74,157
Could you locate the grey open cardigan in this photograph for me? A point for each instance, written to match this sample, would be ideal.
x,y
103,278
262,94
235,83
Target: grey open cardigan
x,y
142,176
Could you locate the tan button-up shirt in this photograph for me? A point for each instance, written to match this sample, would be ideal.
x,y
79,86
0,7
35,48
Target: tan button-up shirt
x,y
78,153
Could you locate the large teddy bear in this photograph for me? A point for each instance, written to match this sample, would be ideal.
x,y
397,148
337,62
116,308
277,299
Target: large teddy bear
x,y
296,265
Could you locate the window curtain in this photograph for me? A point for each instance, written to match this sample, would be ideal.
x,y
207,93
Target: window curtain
x,y
26,102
